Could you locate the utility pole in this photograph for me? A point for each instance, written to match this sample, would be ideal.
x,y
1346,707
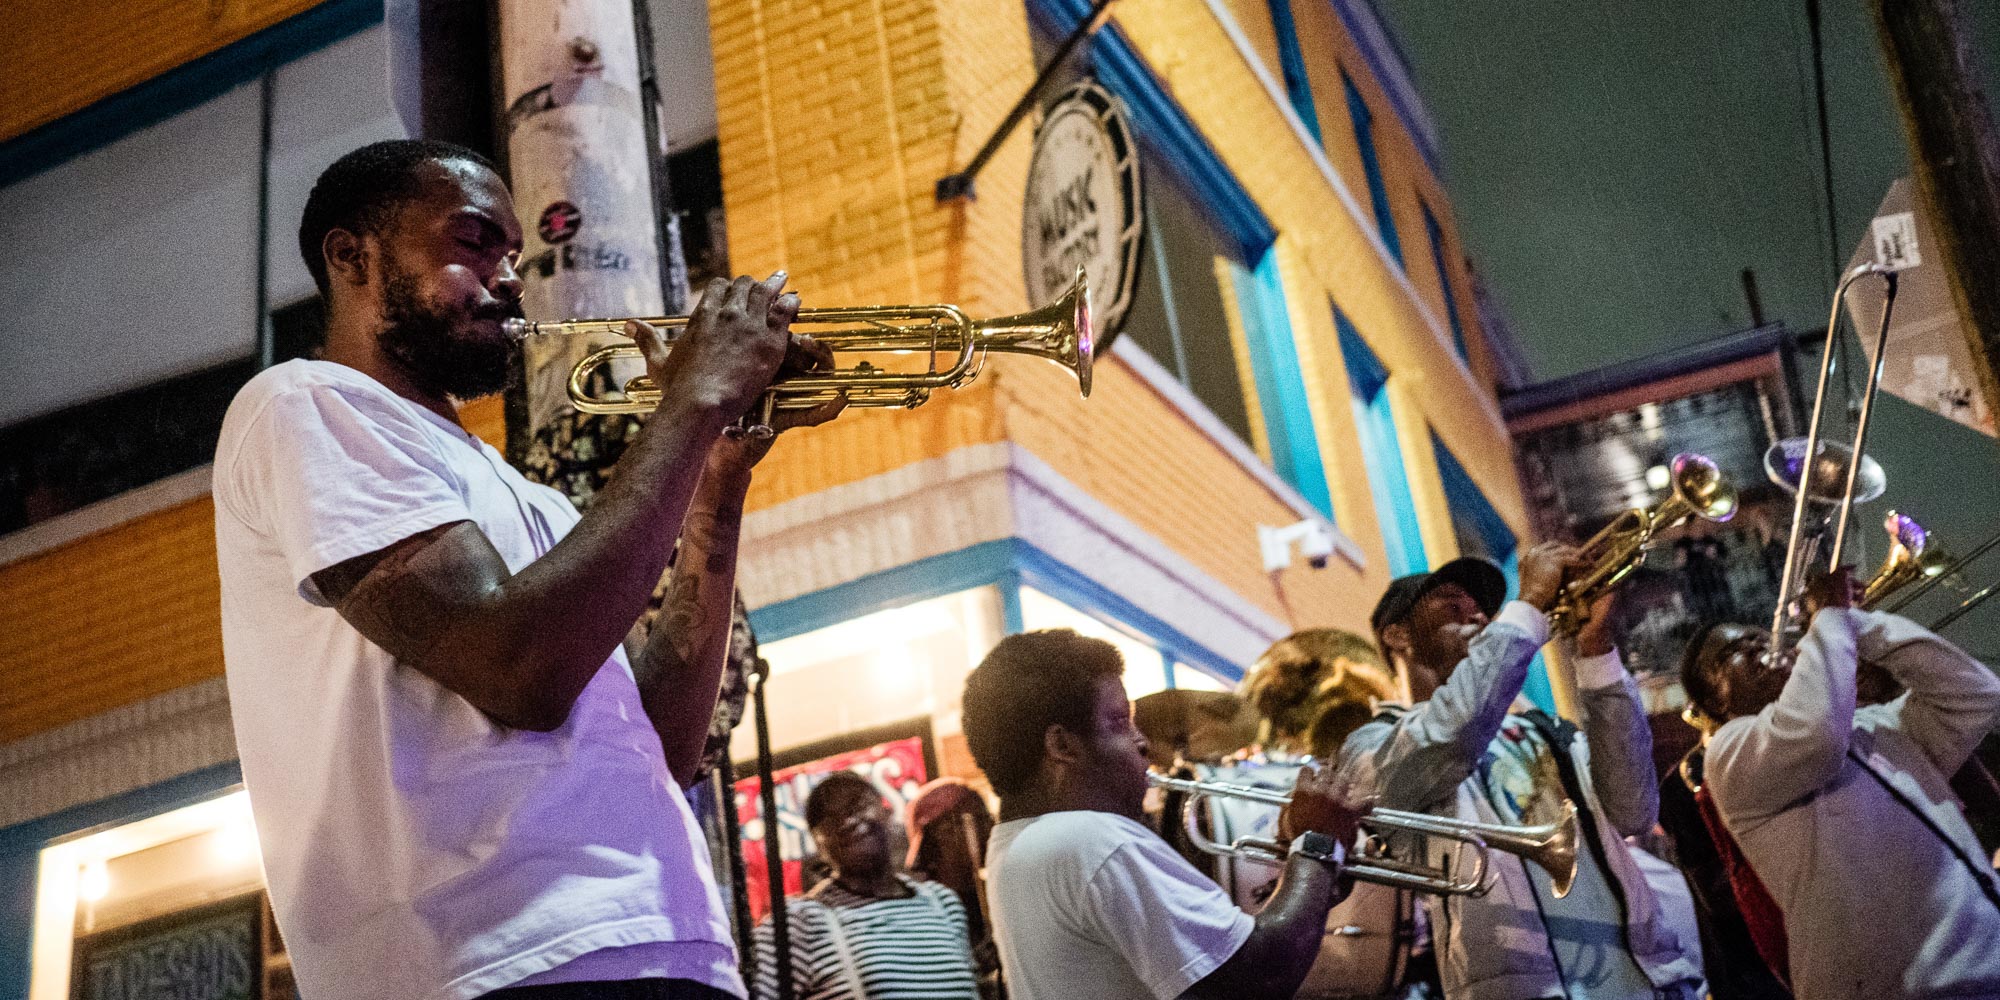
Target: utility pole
x,y
586,162
1955,160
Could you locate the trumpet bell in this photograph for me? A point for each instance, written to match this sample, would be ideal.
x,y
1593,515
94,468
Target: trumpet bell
x,y
1785,463
1059,332
1908,537
1912,556
1698,482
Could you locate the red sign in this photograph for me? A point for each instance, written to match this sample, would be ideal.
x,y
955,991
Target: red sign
x,y
895,768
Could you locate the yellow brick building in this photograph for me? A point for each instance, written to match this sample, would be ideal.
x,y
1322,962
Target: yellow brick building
x,y
1303,346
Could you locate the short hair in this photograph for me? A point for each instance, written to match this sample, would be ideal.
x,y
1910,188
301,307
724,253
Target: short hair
x,y
820,801
1698,683
1028,683
361,191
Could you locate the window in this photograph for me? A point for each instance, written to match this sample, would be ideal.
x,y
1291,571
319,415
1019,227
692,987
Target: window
x,y
178,896
1298,88
874,670
1281,389
1438,258
1483,533
1395,508
1378,190
1146,670
1179,314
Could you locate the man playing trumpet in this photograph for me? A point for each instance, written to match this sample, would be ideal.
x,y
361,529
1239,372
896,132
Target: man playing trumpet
x,y
1088,901
1844,811
465,768
1457,751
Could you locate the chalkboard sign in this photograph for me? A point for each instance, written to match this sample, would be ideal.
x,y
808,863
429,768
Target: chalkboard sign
x,y
209,953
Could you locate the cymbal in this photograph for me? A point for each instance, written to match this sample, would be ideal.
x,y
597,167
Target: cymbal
x,y
1201,725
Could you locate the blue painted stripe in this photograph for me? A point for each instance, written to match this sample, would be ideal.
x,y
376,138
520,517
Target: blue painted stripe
x,y
1378,188
1164,128
183,87
948,573
1298,85
21,846
1436,234
1281,387
1073,587
1366,28
1382,451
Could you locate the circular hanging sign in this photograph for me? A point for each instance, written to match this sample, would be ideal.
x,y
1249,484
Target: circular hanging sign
x,y
1083,207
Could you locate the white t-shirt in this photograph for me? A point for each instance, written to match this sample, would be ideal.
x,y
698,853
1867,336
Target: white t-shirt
x,y
1090,905
415,848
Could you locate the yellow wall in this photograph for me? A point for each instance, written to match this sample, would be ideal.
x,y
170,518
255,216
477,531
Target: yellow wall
x,y
858,232
63,55
110,619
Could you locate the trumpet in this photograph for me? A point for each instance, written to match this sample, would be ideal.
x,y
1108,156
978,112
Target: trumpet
x,y
1552,846
954,344
1912,557
1699,490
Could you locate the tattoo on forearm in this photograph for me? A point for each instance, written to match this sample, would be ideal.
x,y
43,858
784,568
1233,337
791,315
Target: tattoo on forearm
x,y
693,628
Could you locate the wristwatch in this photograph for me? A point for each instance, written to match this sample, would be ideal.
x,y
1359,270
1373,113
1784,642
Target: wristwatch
x,y
1319,847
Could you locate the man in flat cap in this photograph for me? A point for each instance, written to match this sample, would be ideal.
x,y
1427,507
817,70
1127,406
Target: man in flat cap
x,y
1459,750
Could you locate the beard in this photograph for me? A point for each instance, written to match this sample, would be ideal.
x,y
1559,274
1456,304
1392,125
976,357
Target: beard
x,y
439,347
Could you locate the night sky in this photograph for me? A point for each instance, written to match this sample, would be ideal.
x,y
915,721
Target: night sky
x,y
1615,166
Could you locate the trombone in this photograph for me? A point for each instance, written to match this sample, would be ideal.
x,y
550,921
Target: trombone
x,y
1552,846
1699,490
955,345
1809,468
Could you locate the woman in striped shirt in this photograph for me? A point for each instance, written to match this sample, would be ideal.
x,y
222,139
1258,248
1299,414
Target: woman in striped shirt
x,y
867,932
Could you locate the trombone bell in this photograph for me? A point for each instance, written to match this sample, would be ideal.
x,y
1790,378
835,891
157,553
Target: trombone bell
x,y
1551,846
953,345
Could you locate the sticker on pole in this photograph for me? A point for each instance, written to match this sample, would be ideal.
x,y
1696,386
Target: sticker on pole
x,y
560,222
1896,241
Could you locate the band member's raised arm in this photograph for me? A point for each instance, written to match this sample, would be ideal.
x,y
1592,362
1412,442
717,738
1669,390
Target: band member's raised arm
x,y
1615,726
679,667
1952,699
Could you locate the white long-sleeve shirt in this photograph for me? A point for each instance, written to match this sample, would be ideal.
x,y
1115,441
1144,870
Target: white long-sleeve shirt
x,y
1846,815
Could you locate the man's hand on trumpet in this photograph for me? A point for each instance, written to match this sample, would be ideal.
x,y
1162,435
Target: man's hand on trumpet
x,y
737,338
1319,806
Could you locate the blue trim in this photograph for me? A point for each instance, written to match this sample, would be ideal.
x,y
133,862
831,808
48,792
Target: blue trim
x,y
1382,452
21,846
1281,387
1378,190
183,87
1298,86
948,573
1163,127
1070,586
1492,540
1436,234
1392,71
1008,563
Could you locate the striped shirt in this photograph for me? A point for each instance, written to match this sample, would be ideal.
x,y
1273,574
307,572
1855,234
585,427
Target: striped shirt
x,y
912,947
